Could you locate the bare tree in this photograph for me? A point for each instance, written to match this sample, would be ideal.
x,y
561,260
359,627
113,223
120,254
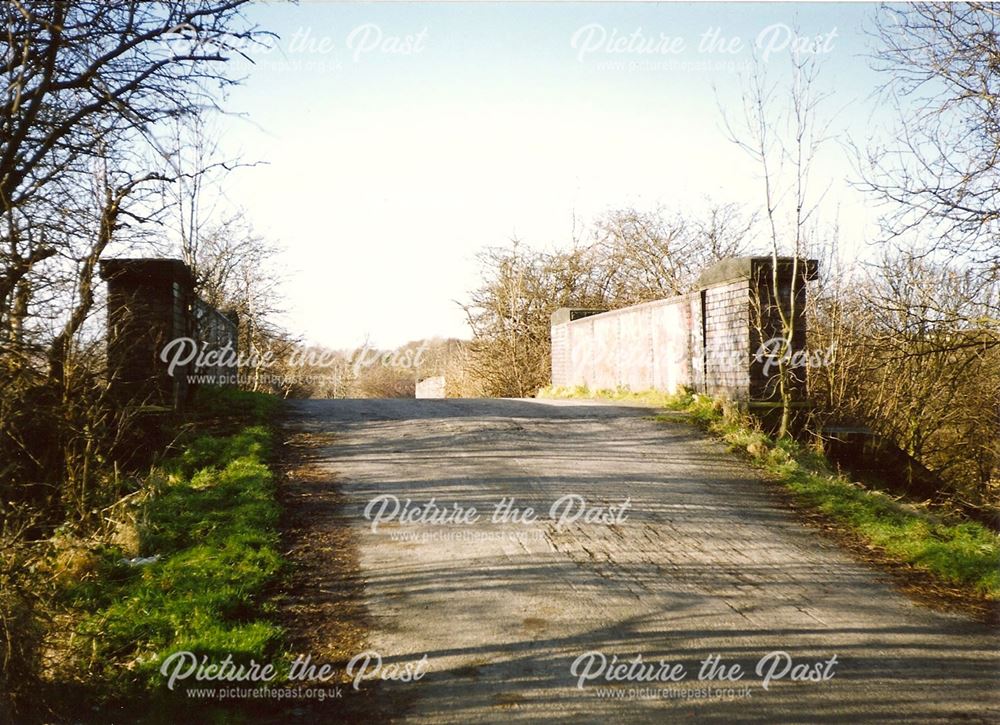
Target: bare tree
x,y
781,132
86,85
508,315
112,194
82,76
907,372
919,336
633,256
639,256
940,174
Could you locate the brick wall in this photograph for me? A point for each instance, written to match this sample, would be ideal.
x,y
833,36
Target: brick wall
x,y
726,340
640,347
707,340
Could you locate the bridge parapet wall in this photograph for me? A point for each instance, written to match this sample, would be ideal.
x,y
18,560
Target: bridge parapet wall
x,y
707,340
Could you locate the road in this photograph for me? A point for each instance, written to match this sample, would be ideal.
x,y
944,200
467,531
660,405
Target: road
x,y
705,559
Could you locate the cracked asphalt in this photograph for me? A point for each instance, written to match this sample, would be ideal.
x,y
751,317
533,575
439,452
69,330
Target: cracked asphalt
x,y
705,560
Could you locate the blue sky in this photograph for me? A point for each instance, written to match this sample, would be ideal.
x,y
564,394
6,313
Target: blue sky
x,y
400,139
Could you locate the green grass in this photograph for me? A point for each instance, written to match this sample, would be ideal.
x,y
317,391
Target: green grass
x,y
212,521
228,405
957,552
655,398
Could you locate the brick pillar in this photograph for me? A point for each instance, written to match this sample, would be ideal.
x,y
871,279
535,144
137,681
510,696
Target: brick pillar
x,y
740,312
766,329
149,304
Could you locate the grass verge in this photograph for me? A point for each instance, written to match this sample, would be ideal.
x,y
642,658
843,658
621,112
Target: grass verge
x,y
955,552
207,535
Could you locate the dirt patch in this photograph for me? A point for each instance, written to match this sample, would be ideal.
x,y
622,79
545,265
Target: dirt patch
x,y
321,604
322,599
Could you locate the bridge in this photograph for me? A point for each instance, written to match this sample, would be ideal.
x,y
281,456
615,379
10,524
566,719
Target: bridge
x,y
705,559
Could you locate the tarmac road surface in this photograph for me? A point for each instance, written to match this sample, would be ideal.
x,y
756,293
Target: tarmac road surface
x,y
668,547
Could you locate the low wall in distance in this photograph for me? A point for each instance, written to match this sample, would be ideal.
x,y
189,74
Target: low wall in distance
x,y
431,387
